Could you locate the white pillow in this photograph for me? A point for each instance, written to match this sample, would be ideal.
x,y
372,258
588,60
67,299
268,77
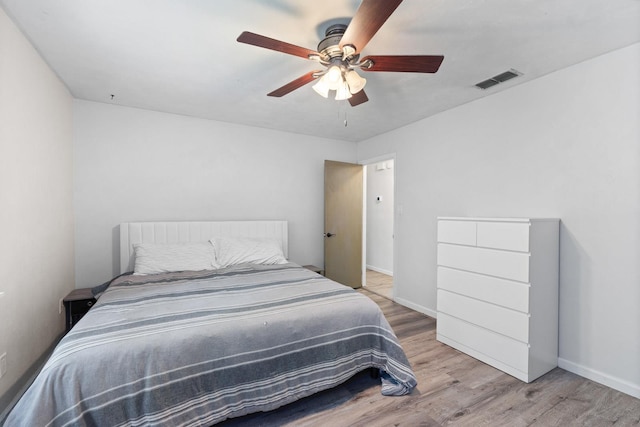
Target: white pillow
x,y
240,250
152,258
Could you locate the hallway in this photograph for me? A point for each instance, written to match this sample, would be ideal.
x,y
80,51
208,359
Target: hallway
x,y
379,283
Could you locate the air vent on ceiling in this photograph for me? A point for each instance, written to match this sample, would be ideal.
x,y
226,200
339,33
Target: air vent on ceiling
x,y
500,78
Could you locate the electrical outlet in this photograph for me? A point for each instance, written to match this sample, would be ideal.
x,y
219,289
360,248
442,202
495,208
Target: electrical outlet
x,y
60,305
3,364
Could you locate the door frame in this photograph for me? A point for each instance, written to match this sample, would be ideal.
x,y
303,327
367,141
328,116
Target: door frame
x,y
364,163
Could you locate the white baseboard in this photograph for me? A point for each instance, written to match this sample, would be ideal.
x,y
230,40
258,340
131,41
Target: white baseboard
x,y
380,270
416,307
615,383
600,377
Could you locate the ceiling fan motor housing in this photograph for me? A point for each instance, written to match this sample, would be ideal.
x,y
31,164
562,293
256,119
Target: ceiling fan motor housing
x,y
329,47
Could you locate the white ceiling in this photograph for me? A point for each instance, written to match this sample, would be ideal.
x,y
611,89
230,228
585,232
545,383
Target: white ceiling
x,y
181,56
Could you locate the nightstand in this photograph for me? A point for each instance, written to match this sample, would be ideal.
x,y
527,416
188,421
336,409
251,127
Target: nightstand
x,y
76,305
314,269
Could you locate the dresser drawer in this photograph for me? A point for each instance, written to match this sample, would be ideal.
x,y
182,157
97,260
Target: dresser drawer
x,y
458,232
507,293
508,265
498,319
513,236
498,347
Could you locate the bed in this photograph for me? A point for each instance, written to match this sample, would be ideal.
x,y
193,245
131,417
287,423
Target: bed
x,y
198,346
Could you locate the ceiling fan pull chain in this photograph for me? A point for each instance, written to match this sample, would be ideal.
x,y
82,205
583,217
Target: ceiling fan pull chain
x,y
343,111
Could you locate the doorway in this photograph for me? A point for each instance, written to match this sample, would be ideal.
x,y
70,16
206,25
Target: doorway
x,y
379,192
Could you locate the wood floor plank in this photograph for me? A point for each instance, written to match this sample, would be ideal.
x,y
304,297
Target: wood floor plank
x,y
379,283
453,389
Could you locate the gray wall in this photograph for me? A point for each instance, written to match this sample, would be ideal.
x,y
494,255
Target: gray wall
x,y
139,165
36,209
566,145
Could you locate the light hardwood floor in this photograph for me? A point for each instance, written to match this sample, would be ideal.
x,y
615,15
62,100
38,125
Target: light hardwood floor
x,y
454,389
379,283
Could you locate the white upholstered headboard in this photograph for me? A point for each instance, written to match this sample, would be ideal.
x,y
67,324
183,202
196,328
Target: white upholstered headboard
x,y
194,231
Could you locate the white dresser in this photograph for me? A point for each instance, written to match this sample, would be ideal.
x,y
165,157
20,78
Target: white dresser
x,y
498,291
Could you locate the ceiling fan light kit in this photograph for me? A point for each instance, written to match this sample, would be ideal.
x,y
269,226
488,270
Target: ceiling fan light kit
x,y
343,92
321,88
344,81
356,83
339,53
333,78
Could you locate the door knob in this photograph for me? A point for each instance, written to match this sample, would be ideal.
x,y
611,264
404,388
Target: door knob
x,y
329,234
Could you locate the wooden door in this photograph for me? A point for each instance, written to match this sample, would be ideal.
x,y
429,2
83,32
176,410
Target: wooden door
x,y
343,193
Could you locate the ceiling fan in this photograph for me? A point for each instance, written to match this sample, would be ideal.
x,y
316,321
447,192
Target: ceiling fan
x,y
339,53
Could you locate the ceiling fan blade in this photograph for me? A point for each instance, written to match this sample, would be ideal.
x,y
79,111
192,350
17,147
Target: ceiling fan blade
x,y
404,63
367,21
273,44
297,83
358,98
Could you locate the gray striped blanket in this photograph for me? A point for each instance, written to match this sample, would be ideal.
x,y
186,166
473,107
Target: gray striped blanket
x,y
195,348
